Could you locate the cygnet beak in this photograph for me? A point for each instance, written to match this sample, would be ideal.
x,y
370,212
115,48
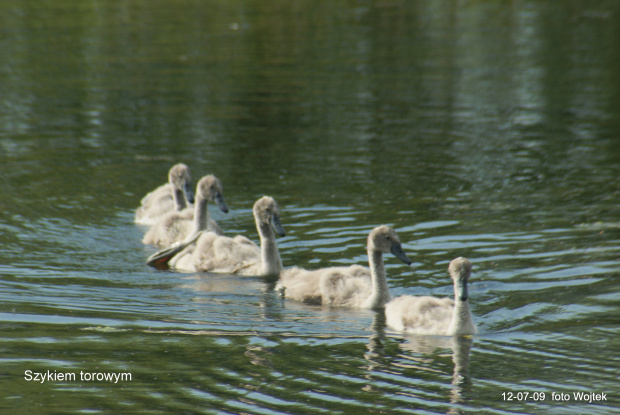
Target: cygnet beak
x,y
277,225
398,252
219,199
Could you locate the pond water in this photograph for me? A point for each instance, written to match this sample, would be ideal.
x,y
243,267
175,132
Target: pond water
x,y
483,129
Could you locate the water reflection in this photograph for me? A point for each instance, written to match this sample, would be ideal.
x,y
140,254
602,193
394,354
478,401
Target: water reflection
x,y
418,352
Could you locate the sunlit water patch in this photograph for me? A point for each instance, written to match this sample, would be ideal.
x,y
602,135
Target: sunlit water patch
x,y
233,344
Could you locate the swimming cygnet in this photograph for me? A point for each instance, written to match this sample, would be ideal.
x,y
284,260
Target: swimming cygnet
x,y
172,196
176,226
238,255
353,286
431,315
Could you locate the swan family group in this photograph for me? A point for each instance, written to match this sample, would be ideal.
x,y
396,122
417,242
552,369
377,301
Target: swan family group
x,y
192,241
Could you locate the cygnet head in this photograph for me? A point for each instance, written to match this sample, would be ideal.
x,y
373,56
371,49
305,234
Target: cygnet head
x,y
210,188
460,271
266,211
384,239
179,176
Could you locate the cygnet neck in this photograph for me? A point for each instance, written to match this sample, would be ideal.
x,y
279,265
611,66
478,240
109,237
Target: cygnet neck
x,y
462,322
201,215
179,198
271,263
380,293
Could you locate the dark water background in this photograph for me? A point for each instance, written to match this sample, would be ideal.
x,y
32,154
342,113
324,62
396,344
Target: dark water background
x,y
483,129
